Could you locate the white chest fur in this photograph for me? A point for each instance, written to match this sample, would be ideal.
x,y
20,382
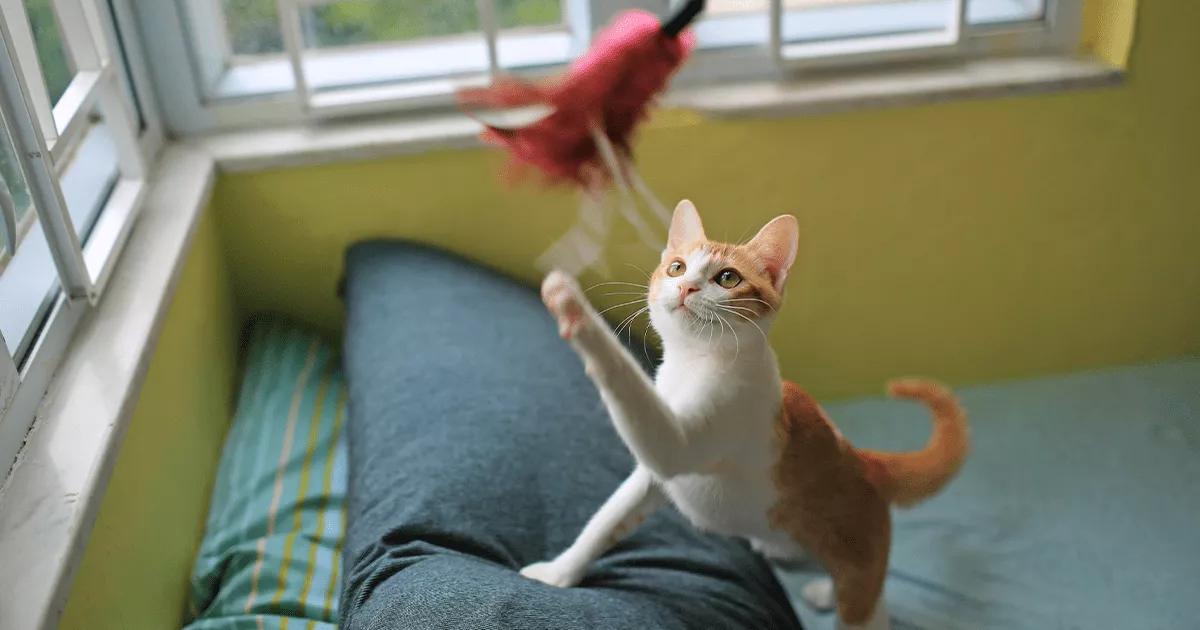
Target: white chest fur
x,y
735,403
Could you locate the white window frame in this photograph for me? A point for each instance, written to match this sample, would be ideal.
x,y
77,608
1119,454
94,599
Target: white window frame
x,y
56,152
215,92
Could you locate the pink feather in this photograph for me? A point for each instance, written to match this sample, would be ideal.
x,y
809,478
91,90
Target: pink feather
x,y
614,82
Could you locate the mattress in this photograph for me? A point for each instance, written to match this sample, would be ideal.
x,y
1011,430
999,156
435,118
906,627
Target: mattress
x,y
1078,508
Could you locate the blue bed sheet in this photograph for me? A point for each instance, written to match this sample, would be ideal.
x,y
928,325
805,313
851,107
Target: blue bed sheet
x,y
1078,508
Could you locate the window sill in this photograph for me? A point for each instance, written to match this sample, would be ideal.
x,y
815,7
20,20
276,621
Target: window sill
x,y
301,145
52,495
994,77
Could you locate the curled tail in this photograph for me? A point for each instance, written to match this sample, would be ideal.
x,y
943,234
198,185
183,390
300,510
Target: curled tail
x,y
908,478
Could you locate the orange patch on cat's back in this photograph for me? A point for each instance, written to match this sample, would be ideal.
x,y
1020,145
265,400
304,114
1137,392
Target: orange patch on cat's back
x,y
828,504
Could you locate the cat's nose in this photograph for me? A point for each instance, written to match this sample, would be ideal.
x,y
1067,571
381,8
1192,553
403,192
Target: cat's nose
x,y
685,290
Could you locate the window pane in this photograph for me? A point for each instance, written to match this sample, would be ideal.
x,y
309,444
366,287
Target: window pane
x,y
832,20
29,283
366,21
56,68
16,186
27,274
1003,11
516,13
12,174
253,26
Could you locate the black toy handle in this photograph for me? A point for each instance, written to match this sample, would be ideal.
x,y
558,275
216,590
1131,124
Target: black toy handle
x,y
674,25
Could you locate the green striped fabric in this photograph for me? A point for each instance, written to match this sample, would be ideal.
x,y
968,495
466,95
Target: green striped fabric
x,y
272,544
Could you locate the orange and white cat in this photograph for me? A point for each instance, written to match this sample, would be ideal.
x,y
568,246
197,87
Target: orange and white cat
x,y
735,448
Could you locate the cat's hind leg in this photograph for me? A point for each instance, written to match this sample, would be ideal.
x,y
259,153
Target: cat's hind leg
x,y
818,594
633,501
859,594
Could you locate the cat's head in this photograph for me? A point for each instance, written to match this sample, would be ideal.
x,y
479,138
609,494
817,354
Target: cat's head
x,y
709,292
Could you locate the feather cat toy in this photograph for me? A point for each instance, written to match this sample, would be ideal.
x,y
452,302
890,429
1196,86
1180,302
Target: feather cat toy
x,y
583,135
735,448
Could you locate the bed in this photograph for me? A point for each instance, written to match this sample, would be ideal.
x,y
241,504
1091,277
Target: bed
x,y
1077,508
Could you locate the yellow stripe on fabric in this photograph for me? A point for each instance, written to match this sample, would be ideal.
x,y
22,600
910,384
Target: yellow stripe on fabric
x,y
314,429
333,580
326,487
328,610
288,436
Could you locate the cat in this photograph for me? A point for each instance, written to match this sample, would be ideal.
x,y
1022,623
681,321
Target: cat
x,y
736,449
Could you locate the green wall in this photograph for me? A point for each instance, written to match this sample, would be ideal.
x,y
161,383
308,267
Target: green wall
x,y
972,240
135,570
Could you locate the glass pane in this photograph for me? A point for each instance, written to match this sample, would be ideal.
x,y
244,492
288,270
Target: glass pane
x,y
253,26
29,283
56,67
1004,11
11,173
26,275
89,178
516,13
367,21
810,21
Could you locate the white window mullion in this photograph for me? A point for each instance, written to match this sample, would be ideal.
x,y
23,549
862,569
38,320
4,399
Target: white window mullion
x,y
206,21
36,166
124,130
961,24
9,377
132,74
776,25
79,23
489,25
19,36
8,215
71,111
293,43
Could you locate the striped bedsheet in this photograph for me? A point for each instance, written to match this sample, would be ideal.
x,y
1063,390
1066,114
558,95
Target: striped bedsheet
x,y
272,544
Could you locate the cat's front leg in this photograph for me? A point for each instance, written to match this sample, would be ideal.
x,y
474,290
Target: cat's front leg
x,y
642,419
633,501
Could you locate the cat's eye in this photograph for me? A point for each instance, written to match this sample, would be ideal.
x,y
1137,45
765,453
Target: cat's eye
x,y
728,279
676,268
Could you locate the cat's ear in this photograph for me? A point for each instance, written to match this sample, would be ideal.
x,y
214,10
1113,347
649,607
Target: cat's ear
x,y
776,244
685,226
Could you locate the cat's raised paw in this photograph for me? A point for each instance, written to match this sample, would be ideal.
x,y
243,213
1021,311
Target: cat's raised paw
x,y
552,573
565,301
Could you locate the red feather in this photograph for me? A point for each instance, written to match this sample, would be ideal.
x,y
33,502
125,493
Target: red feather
x,y
615,82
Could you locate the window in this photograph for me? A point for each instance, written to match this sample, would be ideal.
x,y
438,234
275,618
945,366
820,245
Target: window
x,y
75,139
279,61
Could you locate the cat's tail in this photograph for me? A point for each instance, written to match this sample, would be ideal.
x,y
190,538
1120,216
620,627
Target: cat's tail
x,y
908,478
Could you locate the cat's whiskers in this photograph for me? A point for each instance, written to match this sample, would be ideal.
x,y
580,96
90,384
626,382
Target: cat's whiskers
x,y
628,321
647,274
763,302
752,322
737,342
740,308
623,304
646,331
610,283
